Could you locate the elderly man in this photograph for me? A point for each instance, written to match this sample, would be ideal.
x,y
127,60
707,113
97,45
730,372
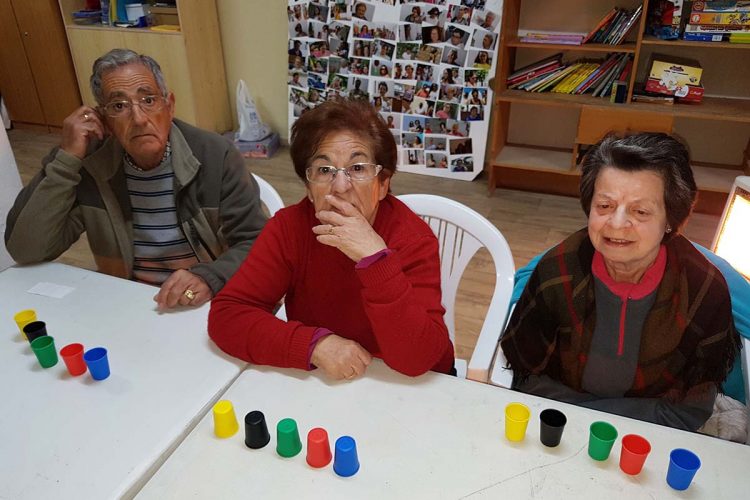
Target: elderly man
x,y
162,202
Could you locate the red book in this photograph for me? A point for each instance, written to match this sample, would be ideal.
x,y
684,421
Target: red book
x,y
533,73
626,70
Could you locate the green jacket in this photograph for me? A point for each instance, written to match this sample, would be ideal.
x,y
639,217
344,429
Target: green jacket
x,y
218,206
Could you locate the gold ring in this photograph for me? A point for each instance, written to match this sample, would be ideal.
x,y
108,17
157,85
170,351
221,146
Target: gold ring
x,y
86,117
189,294
330,230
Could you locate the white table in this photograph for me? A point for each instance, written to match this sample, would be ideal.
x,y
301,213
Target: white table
x,y
430,437
65,437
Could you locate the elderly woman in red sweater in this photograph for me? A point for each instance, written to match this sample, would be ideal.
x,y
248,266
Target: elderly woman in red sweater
x,y
359,271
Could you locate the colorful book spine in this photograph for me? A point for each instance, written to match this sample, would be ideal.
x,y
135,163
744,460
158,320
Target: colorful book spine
x,y
733,18
706,37
716,28
606,19
722,6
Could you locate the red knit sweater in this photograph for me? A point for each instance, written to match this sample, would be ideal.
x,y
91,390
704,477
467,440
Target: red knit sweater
x,y
392,307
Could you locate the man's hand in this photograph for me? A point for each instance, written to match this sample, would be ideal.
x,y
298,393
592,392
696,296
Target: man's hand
x,y
174,291
340,358
348,230
79,129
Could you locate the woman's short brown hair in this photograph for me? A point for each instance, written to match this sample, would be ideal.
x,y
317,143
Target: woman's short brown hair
x,y
331,117
655,152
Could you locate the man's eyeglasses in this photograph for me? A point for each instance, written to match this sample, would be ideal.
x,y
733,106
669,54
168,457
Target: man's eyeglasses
x,y
356,172
124,108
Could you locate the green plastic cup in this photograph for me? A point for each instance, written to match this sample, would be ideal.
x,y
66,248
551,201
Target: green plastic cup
x,y
288,443
602,436
44,348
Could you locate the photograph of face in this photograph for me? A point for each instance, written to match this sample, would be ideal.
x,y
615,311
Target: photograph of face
x,y
297,13
454,56
409,140
393,121
413,124
463,164
484,40
456,37
359,66
337,82
317,11
365,30
381,68
407,51
479,59
424,72
475,78
413,156
473,96
436,160
339,31
340,12
434,143
472,113
298,29
358,88
435,16
297,62
319,49
362,48
409,72
316,81
409,32
384,50
432,34
459,14
338,65
429,54
315,96
446,110
412,14
363,10
458,129
297,78
421,106
317,64
450,93
460,146
297,48
319,30
436,126
486,20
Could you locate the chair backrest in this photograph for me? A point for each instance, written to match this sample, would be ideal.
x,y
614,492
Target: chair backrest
x,y
746,377
10,185
461,232
269,196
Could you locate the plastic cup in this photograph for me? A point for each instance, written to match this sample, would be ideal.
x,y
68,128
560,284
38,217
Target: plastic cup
x,y
346,461
516,419
288,443
635,450
318,448
225,421
256,430
551,422
72,354
97,362
683,464
34,330
44,348
23,318
602,436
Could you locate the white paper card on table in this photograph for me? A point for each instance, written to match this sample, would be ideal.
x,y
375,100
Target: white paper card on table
x,y
50,290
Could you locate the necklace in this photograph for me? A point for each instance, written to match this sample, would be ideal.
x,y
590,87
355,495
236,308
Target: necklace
x,y
130,163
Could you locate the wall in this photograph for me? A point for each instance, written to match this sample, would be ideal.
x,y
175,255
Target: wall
x,y
254,35
10,185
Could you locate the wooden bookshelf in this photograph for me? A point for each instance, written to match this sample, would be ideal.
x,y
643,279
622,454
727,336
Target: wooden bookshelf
x,y
191,59
554,170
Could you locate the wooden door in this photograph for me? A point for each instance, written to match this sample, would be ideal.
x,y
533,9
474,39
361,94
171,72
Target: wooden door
x,y
46,46
16,79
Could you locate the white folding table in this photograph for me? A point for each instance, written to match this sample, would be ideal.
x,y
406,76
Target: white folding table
x,y
429,437
72,437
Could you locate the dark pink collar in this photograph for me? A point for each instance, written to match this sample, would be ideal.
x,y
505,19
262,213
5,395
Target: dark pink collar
x,y
649,282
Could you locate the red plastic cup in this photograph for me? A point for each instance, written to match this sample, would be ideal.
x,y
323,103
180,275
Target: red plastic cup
x,y
318,448
635,449
72,354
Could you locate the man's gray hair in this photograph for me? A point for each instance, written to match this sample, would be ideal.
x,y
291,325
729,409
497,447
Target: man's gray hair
x,y
116,58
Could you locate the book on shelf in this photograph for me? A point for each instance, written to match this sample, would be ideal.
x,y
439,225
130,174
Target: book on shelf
x,y
721,6
550,37
739,38
732,18
533,75
716,28
706,37
614,27
556,58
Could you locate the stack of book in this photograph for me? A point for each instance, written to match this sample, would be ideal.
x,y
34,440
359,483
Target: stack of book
x,y
580,77
551,37
615,26
719,21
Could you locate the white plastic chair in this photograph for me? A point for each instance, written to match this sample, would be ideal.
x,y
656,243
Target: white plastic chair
x,y
461,232
269,196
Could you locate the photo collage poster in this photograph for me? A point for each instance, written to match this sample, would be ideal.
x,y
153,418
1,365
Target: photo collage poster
x,y
425,66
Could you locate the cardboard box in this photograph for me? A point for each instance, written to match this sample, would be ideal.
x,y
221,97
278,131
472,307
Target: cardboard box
x,y
675,71
688,93
265,148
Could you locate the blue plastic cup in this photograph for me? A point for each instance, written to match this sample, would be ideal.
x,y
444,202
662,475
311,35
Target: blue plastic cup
x,y
97,362
345,462
683,464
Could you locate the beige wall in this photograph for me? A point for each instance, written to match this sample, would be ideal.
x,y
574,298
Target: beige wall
x,y
254,35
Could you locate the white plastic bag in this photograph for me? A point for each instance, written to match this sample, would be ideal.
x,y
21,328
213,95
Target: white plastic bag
x,y
251,128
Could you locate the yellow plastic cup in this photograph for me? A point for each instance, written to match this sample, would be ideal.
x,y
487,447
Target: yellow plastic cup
x,y
23,318
225,421
516,419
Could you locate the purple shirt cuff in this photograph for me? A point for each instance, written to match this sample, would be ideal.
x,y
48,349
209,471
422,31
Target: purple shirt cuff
x,y
319,334
372,259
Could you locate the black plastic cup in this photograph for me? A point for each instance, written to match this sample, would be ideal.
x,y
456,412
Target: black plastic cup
x,y
34,330
256,430
552,423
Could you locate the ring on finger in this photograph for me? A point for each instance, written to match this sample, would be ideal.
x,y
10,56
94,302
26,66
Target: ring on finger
x,y
330,230
189,294
86,117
